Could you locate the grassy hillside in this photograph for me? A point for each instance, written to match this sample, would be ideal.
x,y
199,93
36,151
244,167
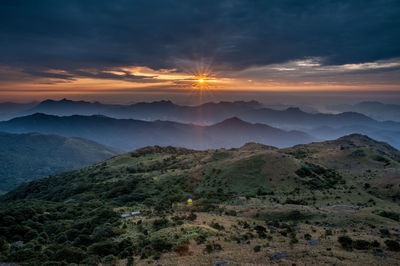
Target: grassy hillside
x,y
324,203
24,157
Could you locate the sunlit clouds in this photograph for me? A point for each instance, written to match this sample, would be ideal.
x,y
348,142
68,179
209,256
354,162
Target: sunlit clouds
x,y
122,49
307,74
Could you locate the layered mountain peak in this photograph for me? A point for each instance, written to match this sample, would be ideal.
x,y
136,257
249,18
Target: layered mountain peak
x,y
234,120
294,110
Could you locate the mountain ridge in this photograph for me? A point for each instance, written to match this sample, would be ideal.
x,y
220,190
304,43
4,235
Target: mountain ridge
x,y
128,134
28,156
320,125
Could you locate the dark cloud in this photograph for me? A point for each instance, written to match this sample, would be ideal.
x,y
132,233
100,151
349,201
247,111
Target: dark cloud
x,y
234,34
123,75
44,74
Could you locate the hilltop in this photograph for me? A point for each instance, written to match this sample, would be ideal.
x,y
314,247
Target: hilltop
x,y
24,157
333,202
374,109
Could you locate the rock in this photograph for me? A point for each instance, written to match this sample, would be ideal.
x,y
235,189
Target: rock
x,y
220,262
272,228
18,244
383,255
279,255
314,242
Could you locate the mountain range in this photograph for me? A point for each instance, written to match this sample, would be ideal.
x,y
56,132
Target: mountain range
x,y
321,126
10,110
373,109
128,134
207,113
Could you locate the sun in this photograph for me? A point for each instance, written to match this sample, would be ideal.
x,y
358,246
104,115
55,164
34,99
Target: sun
x,y
201,80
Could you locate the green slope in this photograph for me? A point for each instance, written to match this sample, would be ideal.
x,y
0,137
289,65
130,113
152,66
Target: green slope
x,y
253,198
24,157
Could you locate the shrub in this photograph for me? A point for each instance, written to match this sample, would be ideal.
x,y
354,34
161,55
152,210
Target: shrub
x,y
53,263
231,213
192,216
307,236
261,231
109,260
384,231
392,245
130,261
31,234
61,238
160,223
200,239
318,177
210,247
24,254
182,250
361,244
391,215
346,242
161,244
257,248
296,202
375,244
3,244
296,215
70,254
101,232
103,248
217,226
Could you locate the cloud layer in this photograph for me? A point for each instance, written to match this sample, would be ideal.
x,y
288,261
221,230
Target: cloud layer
x,y
63,40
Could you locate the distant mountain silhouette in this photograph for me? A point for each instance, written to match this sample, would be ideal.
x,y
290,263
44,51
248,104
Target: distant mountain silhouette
x,y
128,134
69,107
24,157
10,110
376,110
321,125
207,113
159,110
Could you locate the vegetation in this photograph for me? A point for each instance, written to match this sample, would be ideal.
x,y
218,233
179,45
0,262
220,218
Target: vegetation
x,y
246,202
25,157
318,177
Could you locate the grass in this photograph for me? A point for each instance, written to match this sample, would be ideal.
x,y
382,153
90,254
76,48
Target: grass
x,y
236,195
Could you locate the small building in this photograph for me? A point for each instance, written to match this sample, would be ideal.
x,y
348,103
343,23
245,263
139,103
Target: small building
x,y
129,214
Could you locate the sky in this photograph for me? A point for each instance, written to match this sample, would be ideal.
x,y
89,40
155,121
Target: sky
x,y
126,51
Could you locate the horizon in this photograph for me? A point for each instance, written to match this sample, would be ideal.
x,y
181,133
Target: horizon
x,y
294,98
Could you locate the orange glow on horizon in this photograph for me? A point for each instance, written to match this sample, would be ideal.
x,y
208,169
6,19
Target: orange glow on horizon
x,y
130,80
